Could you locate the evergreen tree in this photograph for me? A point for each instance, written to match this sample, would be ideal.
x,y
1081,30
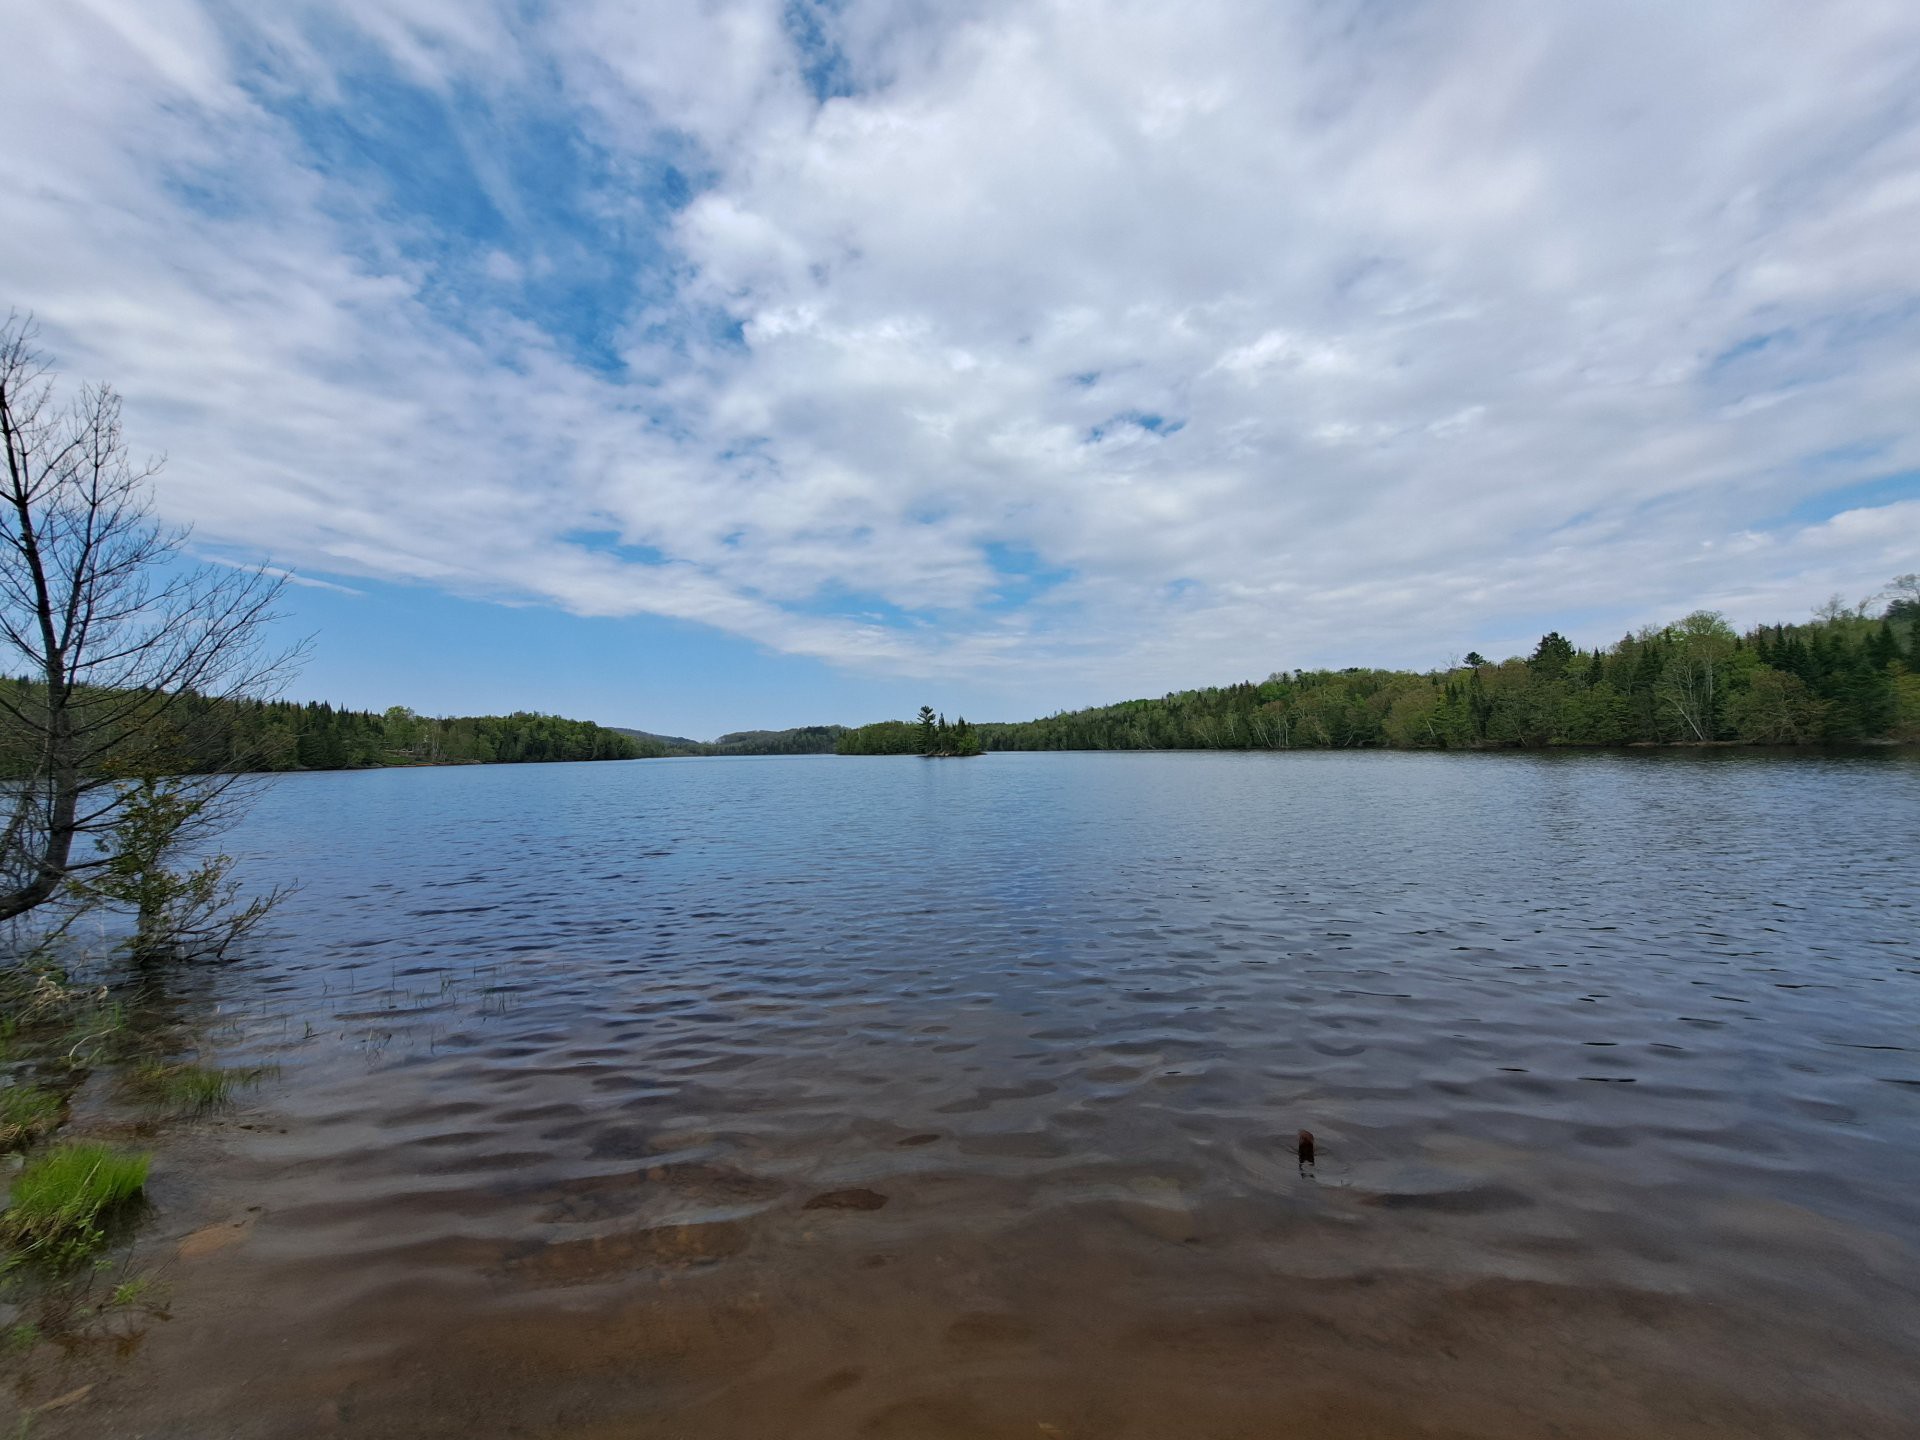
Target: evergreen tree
x,y
1552,655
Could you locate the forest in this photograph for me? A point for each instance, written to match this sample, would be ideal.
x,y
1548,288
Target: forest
x,y
215,734
1847,676
283,735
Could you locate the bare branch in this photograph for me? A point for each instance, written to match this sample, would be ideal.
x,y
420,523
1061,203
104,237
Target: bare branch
x,y
126,651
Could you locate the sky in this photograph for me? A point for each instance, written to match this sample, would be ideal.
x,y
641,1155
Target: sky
x,y
741,363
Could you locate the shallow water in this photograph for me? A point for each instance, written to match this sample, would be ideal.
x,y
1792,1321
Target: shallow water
x,y
829,1097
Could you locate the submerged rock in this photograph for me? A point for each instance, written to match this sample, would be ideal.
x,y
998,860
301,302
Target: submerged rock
x,y
210,1239
855,1199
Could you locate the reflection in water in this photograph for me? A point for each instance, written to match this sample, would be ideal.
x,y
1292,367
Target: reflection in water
x,y
828,1097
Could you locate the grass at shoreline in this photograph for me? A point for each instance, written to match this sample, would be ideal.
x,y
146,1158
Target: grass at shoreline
x,y
27,1112
189,1089
52,1032
62,1201
73,1203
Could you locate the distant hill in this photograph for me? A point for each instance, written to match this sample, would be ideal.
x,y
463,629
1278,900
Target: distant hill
x,y
801,740
653,746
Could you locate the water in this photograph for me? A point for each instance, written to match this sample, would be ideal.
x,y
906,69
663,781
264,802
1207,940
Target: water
x,y
832,1097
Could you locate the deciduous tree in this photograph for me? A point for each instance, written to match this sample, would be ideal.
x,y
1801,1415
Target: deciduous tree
x,y
120,639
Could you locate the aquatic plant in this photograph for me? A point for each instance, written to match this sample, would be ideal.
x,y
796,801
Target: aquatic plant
x,y
130,1293
26,1113
48,1017
192,1089
62,1198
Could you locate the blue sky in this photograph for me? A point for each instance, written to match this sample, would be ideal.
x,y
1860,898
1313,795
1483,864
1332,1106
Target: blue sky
x,y
763,362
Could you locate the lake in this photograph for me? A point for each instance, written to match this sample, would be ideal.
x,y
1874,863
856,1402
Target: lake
x,y
879,1097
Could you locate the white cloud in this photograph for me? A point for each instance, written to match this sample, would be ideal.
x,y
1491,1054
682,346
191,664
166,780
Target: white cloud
x,y
1448,303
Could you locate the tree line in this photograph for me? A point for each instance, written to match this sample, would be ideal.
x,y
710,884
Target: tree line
x,y
222,734
282,735
1846,676
1849,675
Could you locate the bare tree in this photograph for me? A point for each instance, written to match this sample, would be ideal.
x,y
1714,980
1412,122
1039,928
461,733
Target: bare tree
x,y
118,641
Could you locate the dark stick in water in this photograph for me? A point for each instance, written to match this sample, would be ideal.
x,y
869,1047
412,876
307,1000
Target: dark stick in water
x,y
1306,1148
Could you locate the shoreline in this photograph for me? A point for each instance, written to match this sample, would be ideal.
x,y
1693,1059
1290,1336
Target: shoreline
x,y
1809,749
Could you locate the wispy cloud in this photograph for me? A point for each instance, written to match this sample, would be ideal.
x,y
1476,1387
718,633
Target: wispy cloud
x,y
1265,334
306,582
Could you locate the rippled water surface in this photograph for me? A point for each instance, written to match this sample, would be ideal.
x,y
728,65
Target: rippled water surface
x,y
876,1097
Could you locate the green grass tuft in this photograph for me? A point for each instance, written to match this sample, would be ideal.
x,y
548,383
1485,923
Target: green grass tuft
x,y
60,1199
26,1113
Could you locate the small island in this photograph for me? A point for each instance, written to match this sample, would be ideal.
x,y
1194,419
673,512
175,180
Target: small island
x,y
927,735
941,741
